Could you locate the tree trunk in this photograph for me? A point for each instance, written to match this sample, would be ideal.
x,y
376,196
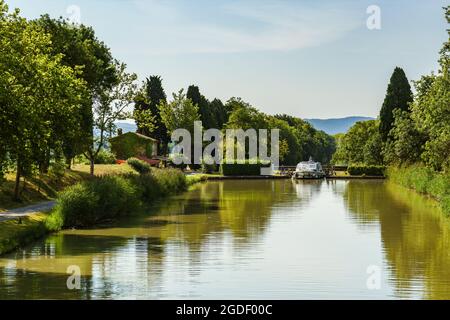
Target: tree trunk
x,y
92,166
17,184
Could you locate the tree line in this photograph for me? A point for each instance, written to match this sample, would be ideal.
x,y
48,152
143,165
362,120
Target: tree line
x,y
157,117
411,128
59,84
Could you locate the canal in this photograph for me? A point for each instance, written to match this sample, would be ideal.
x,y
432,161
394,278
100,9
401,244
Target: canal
x,y
252,239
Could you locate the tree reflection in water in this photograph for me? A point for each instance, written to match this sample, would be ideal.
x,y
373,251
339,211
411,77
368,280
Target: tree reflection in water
x,y
415,235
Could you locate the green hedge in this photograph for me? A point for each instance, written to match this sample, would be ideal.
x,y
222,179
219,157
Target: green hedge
x,y
424,180
110,197
367,170
140,166
243,168
105,157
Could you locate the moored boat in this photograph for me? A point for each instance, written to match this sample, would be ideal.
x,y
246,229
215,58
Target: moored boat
x,y
308,170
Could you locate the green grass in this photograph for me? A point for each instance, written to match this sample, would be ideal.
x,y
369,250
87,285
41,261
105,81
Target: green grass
x,y
424,180
46,187
36,189
116,192
104,169
110,197
14,235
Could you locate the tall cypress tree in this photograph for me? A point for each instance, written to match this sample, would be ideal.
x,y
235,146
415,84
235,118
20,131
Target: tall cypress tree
x,y
154,95
204,107
398,96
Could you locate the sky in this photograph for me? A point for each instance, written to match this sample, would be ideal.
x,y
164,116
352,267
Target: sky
x,y
311,59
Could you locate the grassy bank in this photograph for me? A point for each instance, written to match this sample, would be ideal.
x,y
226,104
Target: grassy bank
x,y
44,187
36,189
110,197
116,192
14,234
425,181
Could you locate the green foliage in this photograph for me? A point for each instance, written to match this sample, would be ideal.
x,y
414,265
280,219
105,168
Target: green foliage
x,y
367,170
181,113
208,165
205,111
42,99
140,166
105,198
431,115
424,180
243,168
144,118
14,235
398,96
170,181
146,112
105,157
406,142
57,169
148,103
424,134
111,105
361,144
96,200
220,113
81,50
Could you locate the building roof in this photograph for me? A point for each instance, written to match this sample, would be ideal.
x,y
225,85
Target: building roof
x,y
136,134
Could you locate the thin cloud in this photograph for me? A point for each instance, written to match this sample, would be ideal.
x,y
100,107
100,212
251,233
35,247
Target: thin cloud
x,y
242,26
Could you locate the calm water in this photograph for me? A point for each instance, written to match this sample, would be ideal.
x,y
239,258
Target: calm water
x,y
251,239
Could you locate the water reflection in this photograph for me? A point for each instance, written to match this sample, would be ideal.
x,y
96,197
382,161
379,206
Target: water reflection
x,y
249,239
414,232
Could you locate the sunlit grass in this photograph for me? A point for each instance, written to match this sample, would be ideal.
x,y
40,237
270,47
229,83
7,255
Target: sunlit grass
x,y
104,169
17,232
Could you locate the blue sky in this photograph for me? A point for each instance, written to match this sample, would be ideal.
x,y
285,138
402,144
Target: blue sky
x,y
305,58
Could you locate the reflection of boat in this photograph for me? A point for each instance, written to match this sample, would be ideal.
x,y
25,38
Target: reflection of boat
x,y
308,170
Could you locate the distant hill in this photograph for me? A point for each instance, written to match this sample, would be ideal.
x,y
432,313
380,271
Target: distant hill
x,y
126,126
337,125
330,126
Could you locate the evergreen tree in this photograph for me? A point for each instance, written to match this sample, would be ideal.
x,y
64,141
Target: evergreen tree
x,y
398,96
206,114
220,112
154,96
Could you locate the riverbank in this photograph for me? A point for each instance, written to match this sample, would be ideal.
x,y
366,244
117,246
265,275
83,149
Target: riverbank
x,y
100,199
425,181
44,187
15,233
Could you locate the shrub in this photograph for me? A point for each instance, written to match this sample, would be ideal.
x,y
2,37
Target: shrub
x,y
195,178
243,168
95,200
57,170
140,166
170,181
369,170
109,197
424,180
208,165
105,157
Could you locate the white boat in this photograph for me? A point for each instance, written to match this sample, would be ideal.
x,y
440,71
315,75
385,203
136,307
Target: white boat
x,y
309,170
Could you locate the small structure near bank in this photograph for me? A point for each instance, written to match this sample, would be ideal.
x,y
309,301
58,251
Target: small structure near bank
x,y
133,144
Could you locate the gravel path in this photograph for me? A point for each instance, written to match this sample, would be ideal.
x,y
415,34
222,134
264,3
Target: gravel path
x,y
25,211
